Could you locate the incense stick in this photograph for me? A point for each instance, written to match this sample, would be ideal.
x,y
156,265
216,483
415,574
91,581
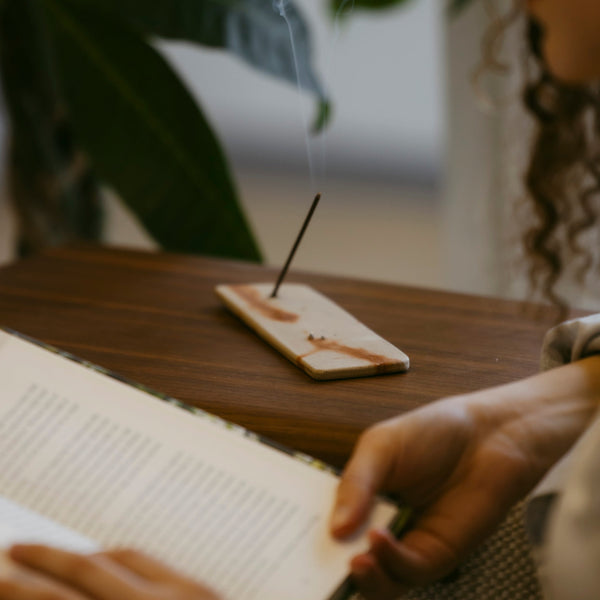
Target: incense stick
x,y
286,266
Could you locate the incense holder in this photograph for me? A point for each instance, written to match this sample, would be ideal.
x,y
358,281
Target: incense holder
x,y
312,331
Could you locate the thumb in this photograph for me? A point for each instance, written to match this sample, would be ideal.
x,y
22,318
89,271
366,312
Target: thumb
x,y
364,475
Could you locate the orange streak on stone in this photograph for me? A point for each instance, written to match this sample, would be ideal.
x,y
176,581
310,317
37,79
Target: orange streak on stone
x,y
379,360
253,298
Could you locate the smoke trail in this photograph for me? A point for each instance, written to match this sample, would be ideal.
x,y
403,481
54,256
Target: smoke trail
x,y
344,10
338,17
340,13
280,6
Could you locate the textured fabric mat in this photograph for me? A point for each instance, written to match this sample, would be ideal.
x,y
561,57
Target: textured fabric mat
x,y
501,569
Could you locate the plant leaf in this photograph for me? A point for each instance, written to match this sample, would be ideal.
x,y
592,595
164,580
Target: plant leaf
x,y
345,7
51,186
323,117
456,6
257,31
145,134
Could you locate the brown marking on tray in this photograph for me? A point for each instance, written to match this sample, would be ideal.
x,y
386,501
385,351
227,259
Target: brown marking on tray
x,y
253,298
380,361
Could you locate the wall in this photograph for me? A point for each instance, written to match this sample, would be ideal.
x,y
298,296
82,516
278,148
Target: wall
x,y
378,165
383,72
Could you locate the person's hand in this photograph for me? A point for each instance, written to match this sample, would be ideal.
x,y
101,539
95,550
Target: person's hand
x,y
115,575
461,463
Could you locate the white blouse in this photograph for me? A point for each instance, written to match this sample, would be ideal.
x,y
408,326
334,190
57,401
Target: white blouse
x,y
570,555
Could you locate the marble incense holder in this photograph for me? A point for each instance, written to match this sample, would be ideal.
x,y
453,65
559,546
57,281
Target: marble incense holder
x,y
312,331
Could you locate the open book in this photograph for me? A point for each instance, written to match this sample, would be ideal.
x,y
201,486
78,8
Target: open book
x,y
88,460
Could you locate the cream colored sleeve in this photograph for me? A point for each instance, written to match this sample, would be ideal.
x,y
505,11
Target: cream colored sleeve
x,y
566,504
572,544
571,341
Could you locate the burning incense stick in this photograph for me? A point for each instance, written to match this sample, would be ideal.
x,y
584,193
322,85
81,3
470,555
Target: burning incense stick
x,y
286,266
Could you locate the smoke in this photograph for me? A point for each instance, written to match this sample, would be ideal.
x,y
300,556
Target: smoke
x,y
280,7
345,9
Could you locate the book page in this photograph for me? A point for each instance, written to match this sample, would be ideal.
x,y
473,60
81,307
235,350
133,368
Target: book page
x,y
21,525
123,468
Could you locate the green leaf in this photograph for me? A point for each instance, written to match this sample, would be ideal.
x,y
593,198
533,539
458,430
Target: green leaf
x,y
457,6
52,188
254,30
345,7
145,134
323,117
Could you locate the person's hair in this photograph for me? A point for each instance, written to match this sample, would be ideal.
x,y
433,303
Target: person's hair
x,y
563,176
562,179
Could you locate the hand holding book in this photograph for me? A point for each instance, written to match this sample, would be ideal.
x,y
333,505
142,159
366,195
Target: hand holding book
x,y
88,461
461,478
462,463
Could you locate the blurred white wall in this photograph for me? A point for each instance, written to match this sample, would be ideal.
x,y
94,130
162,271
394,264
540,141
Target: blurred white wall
x,y
473,191
379,163
384,74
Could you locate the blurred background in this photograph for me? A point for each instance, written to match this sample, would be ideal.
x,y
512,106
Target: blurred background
x,y
410,171
378,165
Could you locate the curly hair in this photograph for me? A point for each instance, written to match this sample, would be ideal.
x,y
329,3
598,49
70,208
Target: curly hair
x,y
562,179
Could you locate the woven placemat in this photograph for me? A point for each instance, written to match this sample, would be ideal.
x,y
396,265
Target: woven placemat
x,y
501,569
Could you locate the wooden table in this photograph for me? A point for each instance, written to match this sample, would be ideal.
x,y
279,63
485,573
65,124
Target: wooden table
x,y
155,318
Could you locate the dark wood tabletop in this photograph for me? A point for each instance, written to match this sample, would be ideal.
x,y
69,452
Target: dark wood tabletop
x,y
155,318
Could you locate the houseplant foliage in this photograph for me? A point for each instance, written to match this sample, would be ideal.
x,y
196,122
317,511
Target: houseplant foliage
x,y
90,101
454,6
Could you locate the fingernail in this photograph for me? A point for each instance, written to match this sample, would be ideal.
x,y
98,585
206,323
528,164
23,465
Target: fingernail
x,y
340,516
360,571
360,565
376,536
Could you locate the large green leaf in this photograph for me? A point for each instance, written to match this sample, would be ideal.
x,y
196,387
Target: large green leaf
x,y
346,6
257,31
456,6
146,136
53,190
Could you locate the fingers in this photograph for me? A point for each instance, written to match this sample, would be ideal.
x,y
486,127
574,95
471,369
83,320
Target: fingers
x,y
453,527
22,584
154,571
118,574
14,590
391,568
363,477
93,574
372,581
143,565
420,558
439,541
